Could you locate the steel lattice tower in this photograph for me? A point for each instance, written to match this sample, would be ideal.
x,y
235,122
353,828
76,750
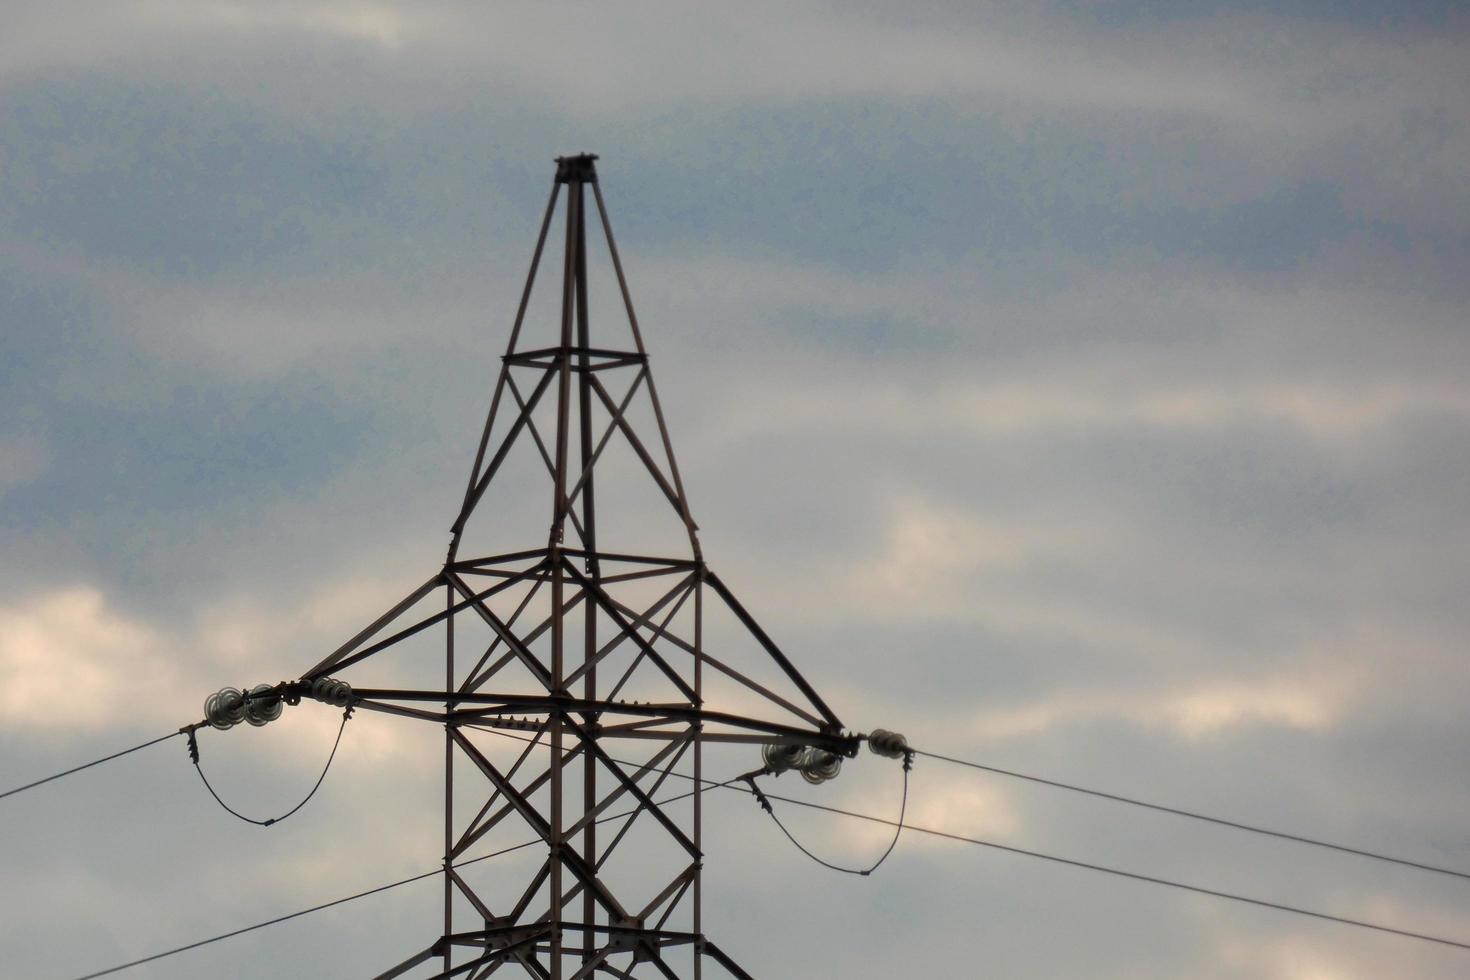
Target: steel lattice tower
x,y
573,646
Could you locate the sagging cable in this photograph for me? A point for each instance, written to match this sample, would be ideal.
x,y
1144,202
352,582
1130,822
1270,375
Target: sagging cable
x,y
884,743
228,707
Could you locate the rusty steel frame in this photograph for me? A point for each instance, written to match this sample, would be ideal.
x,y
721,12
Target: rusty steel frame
x,y
561,938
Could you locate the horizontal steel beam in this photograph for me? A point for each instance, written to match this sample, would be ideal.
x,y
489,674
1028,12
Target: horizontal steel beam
x,y
552,704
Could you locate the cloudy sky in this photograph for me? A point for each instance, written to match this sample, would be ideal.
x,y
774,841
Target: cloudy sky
x,y
1079,388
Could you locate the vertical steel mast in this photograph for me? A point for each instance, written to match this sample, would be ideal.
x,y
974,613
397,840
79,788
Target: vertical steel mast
x,y
580,683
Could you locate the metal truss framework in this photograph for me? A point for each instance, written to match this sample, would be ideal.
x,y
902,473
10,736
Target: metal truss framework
x,y
574,646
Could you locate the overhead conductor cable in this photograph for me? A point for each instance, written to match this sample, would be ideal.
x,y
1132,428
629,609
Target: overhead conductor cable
x,y
817,766
228,707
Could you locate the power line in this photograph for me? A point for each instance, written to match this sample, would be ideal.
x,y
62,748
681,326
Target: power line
x,y
1148,879
1193,815
364,894
996,770
94,762
297,915
898,824
278,919
1087,866
728,784
194,757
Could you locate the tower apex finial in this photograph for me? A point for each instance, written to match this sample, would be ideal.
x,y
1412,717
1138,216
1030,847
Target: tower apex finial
x,y
578,168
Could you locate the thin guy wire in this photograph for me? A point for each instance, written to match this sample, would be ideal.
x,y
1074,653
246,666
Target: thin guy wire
x,y
274,820
1192,815
370,891
95,762
1229,896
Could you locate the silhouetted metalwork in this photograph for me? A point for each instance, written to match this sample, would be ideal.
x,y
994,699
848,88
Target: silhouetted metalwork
x,y
575,644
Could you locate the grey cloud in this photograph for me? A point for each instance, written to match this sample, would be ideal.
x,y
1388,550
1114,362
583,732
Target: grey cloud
x,y
1155,322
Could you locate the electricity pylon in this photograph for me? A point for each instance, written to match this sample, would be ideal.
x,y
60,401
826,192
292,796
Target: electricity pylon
x,y
576,643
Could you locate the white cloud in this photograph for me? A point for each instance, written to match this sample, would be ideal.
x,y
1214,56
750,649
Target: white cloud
x,y
1166,346
1209,708
964,808
1206,110
42,36
1342,367
1302,700
958,808
928,557
69,663
375,23
659,53
1302,951
1100,397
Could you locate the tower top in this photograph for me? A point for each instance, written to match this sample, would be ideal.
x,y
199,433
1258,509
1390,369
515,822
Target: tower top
x,y
610,633
576,168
